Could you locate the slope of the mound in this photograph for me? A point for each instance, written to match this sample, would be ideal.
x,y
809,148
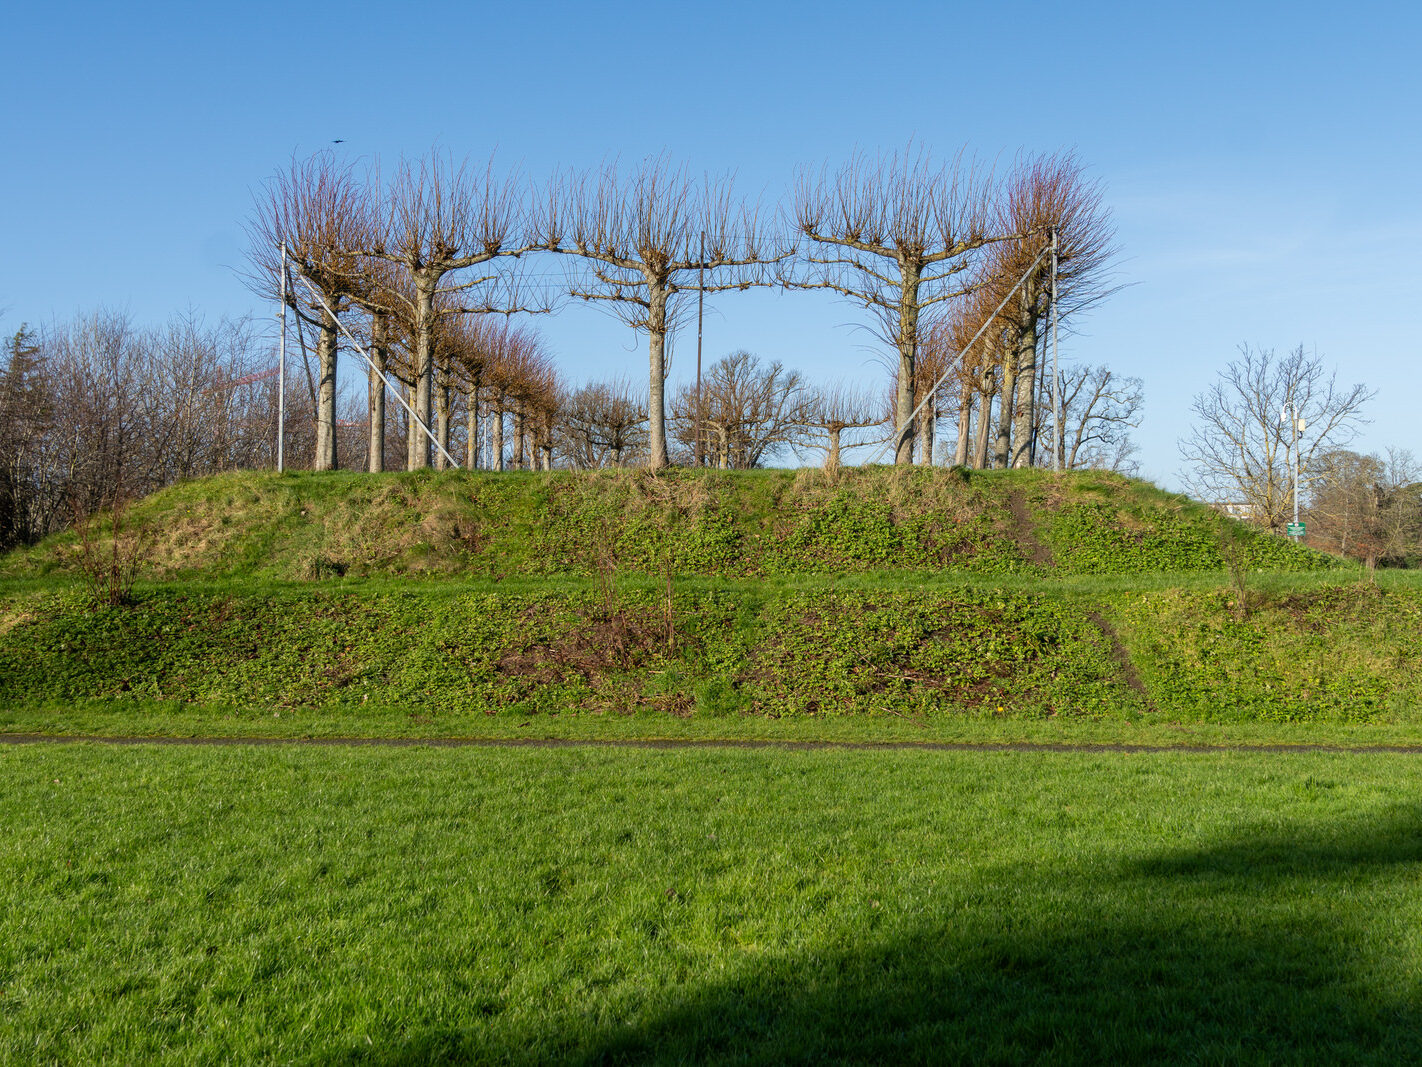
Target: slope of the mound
x,y
304,526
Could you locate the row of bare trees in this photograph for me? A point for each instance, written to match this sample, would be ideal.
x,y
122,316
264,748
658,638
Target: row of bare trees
x,y
930,249
97,407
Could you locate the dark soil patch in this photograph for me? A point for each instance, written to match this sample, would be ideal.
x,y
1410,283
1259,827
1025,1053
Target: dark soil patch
x,y
1121,657
1024,533
598,644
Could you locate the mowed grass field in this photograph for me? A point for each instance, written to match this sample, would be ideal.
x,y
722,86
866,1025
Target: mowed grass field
x,y
391,905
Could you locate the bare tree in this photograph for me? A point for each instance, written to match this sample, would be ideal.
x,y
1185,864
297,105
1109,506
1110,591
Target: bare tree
x,y
937,368
602,424
319,212
833,409
1239,449
748,407
1046,195
978,340
646,238
894,234
96,407
437,222
1368,507
476,345
1099,409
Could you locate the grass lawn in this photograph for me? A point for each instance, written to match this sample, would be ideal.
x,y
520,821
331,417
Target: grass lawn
x,y
592,905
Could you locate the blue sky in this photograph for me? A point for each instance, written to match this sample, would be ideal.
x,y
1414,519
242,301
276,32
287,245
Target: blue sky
x,y
1262,161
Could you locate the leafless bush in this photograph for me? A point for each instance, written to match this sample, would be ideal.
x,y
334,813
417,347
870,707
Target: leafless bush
x,y
110,568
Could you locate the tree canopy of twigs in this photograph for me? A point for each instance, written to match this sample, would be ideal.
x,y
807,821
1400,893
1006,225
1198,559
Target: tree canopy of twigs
x,y
438,221
646,237
834,408
1239,451
894,234
603,424
940,253
747,408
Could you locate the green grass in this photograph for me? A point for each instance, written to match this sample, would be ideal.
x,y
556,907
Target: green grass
x,y
422,905
761,524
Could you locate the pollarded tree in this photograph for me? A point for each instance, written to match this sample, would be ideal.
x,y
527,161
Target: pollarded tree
x,y
388,339
646,238
895,234
477,344
978,341
937,368
319,212
1239,451
522,381
438,221
1045,195
835,408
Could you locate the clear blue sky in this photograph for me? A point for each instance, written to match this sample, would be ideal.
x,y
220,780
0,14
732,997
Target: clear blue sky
x,y
1262,160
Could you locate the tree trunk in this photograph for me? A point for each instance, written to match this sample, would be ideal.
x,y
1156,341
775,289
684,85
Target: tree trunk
x,y
965,423
413,434
980,445
443,405
326,344
927,427
496,441
471,458
375,406
908,359
424,370
518,439
1007,391
832,460
657,368
1023,410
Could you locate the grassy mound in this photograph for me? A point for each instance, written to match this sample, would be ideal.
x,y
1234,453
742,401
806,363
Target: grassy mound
x,y
920,595
742,524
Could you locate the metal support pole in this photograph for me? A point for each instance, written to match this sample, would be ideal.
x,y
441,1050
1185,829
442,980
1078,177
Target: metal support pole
x,y
1056,379
1294,424
700,310
281,373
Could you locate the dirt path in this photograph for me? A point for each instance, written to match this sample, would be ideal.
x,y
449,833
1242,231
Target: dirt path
x,y
1024,531
674,743
1121,657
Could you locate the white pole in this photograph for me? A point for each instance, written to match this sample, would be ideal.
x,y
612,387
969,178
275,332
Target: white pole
x,y
1294,422
1056,379
281,373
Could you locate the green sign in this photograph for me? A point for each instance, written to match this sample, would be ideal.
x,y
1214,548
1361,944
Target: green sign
x,y
1295,529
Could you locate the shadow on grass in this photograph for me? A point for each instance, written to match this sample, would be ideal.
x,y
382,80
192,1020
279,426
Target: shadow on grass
x,y
1237,953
